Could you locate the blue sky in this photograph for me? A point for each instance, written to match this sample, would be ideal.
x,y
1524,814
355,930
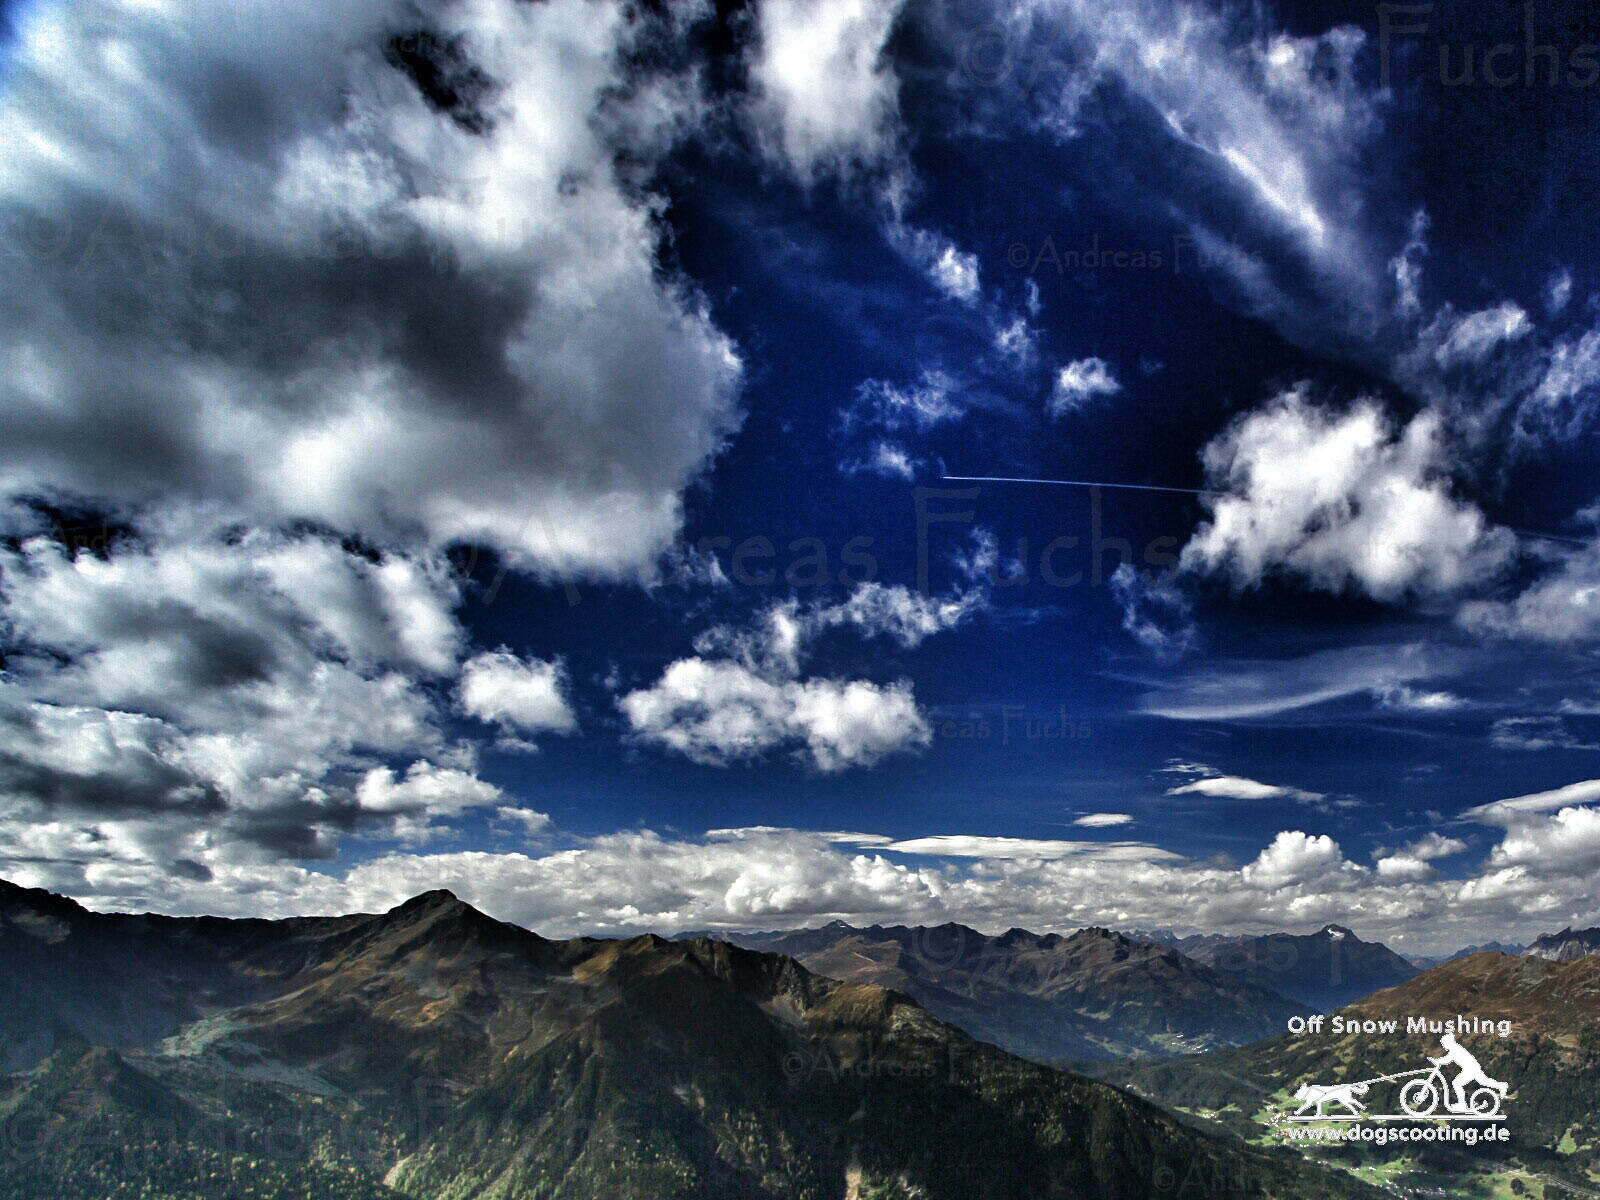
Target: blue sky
x,y
508,448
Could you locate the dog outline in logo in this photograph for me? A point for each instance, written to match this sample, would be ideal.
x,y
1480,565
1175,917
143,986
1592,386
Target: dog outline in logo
x,y
1316,1095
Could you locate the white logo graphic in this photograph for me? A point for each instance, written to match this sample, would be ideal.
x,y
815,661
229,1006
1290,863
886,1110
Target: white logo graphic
x,y
1426,1093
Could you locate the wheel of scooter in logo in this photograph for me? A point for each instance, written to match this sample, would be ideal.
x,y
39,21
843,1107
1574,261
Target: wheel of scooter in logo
x,y
1419,1097
1484,1102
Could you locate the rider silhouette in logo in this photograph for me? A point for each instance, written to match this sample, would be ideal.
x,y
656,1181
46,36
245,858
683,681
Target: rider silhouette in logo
x,y
1455,1054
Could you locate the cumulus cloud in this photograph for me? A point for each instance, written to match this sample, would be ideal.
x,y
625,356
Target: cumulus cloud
x,y
743,694
1080,384
1544,850
759,878
1413,863
1345,502
1295,858
775,640
361,300
1434,845
717,712
525,821
827,99
1104,820
424,792
526,696
189,699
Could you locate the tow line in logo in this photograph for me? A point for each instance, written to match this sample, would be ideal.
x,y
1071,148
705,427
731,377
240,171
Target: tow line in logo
x,y
1424,1094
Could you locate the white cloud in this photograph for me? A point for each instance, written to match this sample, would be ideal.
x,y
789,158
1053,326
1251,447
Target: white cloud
x,y
524,695
1343,501
1562,608
1104,820
717,712
955,273
888,459
947,267
1434,845
1568,842
1236,787
743,695
1557,291
1413,863
425,791
931,401
828,99
1407,699
1242,690
1295,858
761,878
1406,267
1402,868
779,635
1154,611
1080,383
897,612
525,821
1470,339
1562,402
337,304
1275,128
1016,339
1029,849
1536,733
1499,811
194,699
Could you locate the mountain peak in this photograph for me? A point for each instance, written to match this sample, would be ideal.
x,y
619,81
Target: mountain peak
x,y
438,900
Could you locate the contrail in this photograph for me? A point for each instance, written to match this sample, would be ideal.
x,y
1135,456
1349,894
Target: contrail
x,y
1132,487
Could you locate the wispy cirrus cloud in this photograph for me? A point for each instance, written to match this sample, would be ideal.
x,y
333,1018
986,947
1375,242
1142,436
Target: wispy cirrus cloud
x,y
1244,690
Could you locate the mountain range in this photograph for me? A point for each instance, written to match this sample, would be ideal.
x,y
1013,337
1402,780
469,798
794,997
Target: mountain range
x,y
1093,994
1325,969
1566,945
1550,1058
434,1052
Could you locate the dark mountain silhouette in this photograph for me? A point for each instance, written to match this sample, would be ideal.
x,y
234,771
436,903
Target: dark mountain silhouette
x,y
1050,997
433,1052
1324,969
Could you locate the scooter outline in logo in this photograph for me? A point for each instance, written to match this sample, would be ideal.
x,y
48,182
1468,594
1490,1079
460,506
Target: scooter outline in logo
x,y
1420,1096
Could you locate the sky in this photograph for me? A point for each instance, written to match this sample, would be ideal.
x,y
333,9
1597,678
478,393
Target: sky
x,y
677,467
